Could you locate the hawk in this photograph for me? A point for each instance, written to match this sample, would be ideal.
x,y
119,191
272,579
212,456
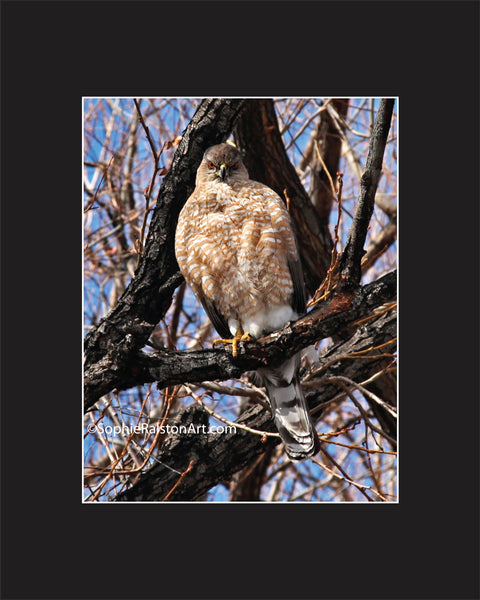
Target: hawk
x,y
236,249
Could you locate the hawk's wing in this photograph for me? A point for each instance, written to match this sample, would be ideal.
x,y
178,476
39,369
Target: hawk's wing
x,y
215,317
299,300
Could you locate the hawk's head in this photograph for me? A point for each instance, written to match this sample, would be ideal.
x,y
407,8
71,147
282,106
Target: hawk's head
x,y
222,162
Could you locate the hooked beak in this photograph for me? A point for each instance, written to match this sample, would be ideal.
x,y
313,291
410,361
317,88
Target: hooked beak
x,y
223,171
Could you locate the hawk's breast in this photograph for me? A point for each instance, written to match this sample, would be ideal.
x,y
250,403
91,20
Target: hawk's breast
x,y
232,246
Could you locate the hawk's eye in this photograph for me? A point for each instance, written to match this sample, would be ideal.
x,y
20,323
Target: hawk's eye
x,y
235,166
211,165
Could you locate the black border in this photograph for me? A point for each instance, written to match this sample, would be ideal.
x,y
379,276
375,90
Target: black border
x,y
53,53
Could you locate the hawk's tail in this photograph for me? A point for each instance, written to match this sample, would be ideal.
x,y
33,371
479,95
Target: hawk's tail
x,y
290,410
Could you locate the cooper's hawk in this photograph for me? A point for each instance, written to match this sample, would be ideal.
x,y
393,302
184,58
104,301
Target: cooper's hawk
x,y
237,251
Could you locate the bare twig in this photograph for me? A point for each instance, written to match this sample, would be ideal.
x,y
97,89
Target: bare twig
x,y
122,454
148,191
328,283
180,479
93,200
226,421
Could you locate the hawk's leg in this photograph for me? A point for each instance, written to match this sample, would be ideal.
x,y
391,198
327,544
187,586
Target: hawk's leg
x,y
240,336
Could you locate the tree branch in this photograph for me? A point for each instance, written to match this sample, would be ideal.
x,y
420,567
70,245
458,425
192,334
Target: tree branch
x,y
217,457
168,367
350,262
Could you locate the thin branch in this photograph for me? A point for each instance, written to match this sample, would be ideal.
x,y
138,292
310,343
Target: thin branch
x,y
93,200
363,390
359,448
227,421
139,246
361,488
181,478
363,412
122,454
329,283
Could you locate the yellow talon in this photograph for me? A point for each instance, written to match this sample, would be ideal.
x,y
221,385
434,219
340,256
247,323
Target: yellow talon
x,y
240,336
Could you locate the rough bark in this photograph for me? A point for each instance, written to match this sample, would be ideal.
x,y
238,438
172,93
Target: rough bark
x,y
246,485
215,458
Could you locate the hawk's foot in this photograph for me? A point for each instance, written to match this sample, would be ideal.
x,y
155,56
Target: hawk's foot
x,y
240,336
